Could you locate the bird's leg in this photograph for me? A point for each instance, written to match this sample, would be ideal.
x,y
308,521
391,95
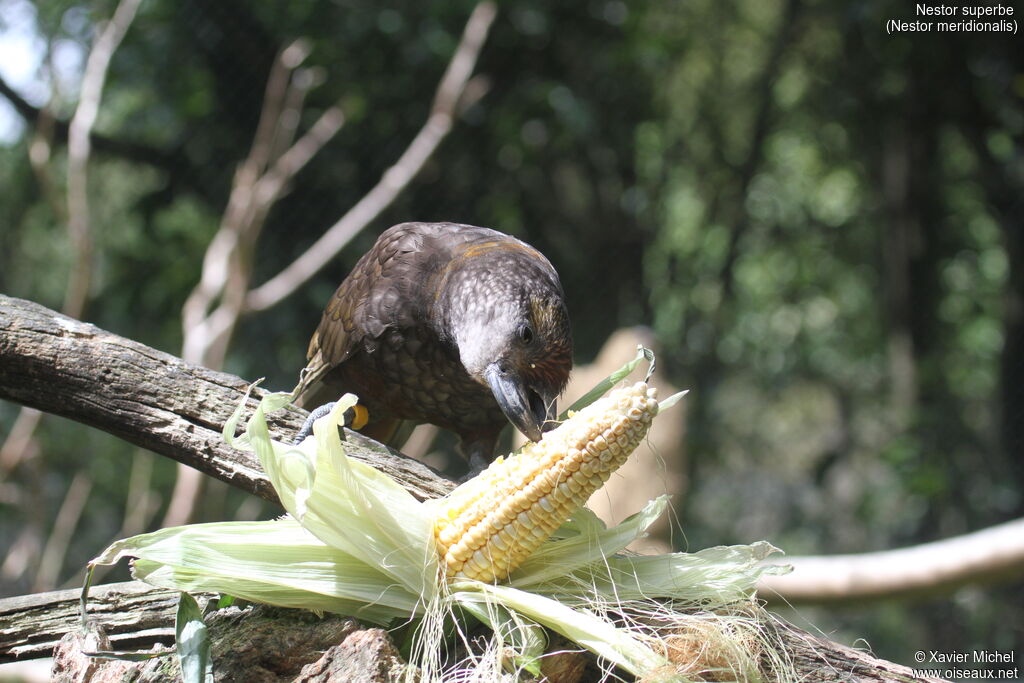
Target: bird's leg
x,y
479,453
355,418
477,464
314,415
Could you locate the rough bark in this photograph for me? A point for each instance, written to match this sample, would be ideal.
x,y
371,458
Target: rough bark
x,y
157,401
134,616
258,644
823,661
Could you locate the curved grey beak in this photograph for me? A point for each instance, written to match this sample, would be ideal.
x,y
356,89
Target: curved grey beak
x,y
530,412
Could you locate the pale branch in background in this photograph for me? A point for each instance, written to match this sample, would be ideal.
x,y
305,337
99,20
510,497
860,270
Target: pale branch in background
x,y
52,560
273,160
21,441
990,555
74,211
79,130
447,102
282,102
258,183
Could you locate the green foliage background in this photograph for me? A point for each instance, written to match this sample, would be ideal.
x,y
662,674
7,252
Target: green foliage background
x,y
821,222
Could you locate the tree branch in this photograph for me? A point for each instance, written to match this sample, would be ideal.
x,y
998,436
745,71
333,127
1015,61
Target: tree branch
x,y
227,265
133,614
992,554
449,93
171,161
68,516
95,75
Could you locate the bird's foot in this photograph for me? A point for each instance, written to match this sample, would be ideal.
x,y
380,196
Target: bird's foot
x,y
355,418
314,415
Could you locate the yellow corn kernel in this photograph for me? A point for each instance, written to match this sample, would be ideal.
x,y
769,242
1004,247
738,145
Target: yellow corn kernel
x,y
493,522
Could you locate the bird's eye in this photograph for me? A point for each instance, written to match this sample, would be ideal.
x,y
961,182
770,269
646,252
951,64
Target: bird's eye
x,y
526,334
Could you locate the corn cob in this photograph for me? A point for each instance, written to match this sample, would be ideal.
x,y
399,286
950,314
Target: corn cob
x,y
493,522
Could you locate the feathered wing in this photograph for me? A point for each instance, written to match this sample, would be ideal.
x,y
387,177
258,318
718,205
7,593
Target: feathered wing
x,y
376,296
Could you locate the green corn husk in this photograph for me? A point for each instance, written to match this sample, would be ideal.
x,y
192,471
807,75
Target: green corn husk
x,y
356,543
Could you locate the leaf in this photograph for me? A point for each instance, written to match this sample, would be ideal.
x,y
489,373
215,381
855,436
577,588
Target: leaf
x,y
275,562
556,559
586,629
193,641
225,601
672,400
711,577
611,380
345,503
526,639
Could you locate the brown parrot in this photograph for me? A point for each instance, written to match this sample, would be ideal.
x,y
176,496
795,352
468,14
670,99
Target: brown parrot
x,y
456,325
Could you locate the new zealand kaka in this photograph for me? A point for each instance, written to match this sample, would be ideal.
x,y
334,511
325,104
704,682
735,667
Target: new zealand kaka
x,y
456,325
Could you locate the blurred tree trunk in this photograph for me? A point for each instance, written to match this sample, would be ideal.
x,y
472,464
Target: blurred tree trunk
x,y
1008,203
1004,190
1011,375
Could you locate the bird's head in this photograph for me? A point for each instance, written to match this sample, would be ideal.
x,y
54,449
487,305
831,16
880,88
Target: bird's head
x,y
525,357
511,327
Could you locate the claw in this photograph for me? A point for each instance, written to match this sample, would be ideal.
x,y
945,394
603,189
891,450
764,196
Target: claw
x,y
314,415
355,417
